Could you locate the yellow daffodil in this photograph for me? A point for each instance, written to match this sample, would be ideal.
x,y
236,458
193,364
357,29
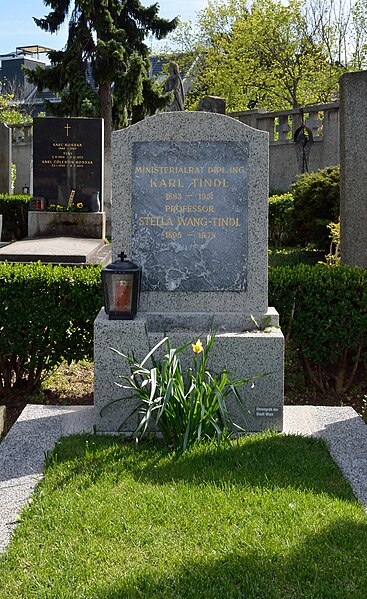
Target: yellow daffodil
x,y
79,205
197,347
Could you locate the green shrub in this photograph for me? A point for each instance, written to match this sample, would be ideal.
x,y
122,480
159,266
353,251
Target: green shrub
x,y
281,220
323,315
316,203
15,216
46,316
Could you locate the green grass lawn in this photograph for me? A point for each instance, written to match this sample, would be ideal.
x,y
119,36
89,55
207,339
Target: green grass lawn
x,y
271,518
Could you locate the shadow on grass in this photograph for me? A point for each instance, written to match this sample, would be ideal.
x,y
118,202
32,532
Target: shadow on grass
x,y
265,460
326,565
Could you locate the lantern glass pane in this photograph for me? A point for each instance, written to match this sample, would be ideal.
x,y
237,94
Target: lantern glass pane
x,y
121,293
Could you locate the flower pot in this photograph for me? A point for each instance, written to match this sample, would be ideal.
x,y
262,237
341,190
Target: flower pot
x,y
95,204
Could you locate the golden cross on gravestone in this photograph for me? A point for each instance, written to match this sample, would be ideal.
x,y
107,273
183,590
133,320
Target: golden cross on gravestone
x,y
67,127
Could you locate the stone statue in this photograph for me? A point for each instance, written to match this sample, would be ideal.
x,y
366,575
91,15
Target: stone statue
x,y
174,84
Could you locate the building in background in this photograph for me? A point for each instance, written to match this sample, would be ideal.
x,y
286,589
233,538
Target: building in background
x,y
13,81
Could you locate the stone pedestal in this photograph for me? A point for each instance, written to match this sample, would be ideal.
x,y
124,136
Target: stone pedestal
x,y
89,225
245,354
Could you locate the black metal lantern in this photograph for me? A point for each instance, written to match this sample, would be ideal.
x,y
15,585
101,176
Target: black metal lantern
x,y
121,288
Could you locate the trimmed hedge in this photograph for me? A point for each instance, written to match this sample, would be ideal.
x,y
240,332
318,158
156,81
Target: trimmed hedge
x,y
46,317
323,315
47,314
14,209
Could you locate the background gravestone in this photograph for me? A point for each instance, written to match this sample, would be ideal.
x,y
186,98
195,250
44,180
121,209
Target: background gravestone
x,y
5,159
190,204
353,171
67,156
212,104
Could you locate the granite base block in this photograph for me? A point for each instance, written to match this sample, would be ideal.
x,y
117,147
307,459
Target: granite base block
x,y
58,250
204,321
90,225
245,354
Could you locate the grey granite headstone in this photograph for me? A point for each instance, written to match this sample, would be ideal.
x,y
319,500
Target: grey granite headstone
x,y
190,205
353,172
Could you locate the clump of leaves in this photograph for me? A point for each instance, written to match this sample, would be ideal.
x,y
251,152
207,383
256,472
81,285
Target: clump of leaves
x,y
185,407
333,257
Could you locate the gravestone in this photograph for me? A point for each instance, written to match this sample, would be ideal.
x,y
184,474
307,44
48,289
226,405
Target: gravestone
x,y
68,165
5,159
212,104
353,174
190,205
67,157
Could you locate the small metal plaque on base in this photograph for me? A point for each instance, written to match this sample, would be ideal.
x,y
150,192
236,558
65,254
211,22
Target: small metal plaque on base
x,y
267,412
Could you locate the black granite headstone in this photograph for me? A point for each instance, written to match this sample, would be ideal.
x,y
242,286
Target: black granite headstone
x,y
190,224
67,157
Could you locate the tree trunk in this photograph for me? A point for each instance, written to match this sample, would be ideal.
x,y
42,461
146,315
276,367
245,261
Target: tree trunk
x,y
105,95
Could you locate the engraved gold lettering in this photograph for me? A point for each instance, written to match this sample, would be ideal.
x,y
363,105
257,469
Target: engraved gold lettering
x,y
220,221
216,169
192,221
168,170
173,196
156,221
165,182
209,183
188,208
66,144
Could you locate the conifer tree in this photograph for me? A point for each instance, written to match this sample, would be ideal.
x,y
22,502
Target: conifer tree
x,y
107,38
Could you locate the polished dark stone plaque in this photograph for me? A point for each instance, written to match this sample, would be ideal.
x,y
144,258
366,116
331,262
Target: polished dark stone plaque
x,y
67,157
190,223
